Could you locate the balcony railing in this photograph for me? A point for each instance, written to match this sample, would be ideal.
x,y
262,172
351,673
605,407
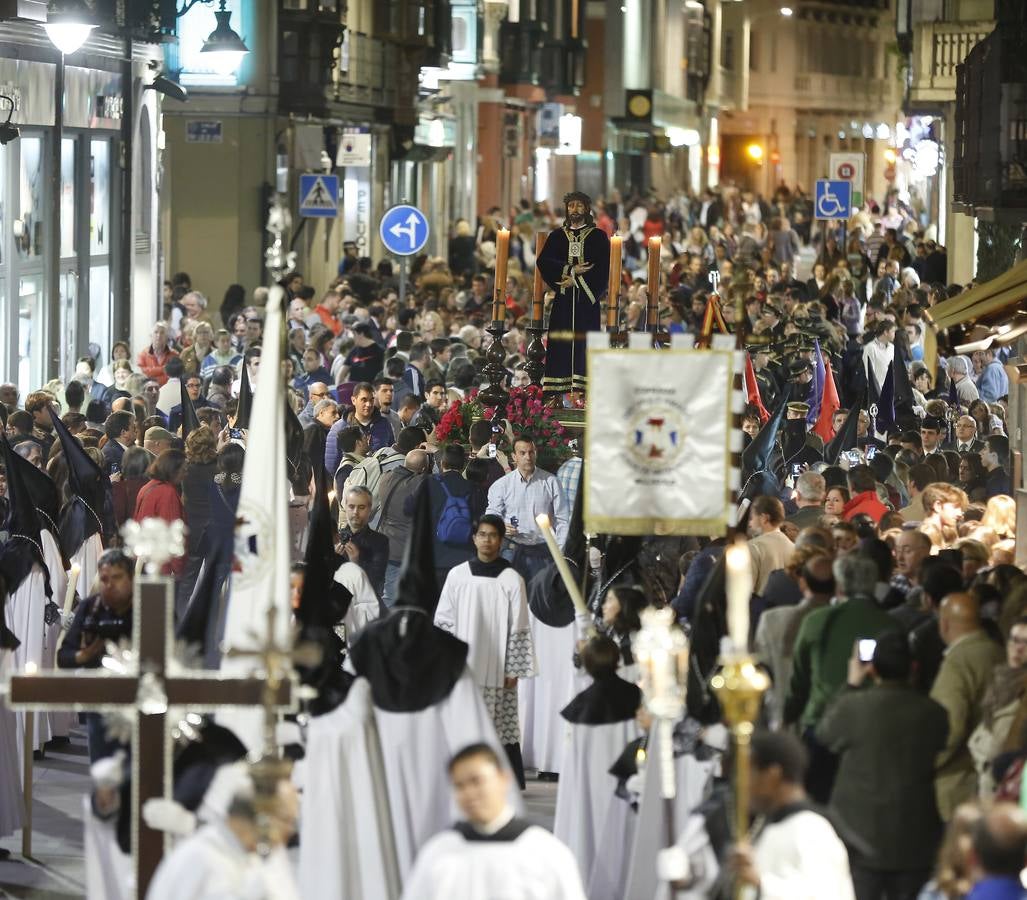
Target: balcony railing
x,y
938,47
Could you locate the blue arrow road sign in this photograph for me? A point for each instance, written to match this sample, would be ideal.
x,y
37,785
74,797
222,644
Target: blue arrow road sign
x,y
319,196
404,230
833,199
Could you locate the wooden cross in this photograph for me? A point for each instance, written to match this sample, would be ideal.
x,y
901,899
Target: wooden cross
x,y
146,694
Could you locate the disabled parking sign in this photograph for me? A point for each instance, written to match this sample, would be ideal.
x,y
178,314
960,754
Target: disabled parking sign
x,y
833,199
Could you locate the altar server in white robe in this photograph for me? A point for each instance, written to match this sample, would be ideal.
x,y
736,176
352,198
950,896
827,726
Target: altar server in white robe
x,y
492,852
484,603
23,564
338,861
554,635
602,722
220,859
796,854
87,518
426,704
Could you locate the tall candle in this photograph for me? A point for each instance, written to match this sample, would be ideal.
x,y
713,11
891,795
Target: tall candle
x,y
69,594
545,526
539,295
653,287
613,293
739,592
502,255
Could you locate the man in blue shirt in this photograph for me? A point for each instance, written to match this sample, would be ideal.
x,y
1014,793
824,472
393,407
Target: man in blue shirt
x,y
993,383
999,849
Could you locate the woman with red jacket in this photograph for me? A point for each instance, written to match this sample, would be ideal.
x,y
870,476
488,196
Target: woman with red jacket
x,y
160,498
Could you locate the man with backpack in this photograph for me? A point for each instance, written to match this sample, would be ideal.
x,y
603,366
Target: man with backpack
x,y
456,504
367,418
395,488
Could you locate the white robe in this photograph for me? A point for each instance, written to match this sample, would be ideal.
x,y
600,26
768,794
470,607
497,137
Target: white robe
x,y
87,556
56,723
12,807
491,616
535,866
542,697
801,858
346,847
587,788
211,864
364,607
24,614
693,780
110,874
416,749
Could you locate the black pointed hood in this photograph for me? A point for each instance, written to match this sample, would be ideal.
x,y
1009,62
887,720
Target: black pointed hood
x,y
709,625
324,602
297,462
90,510
242,415
418,584
192,627
547,595
904,399
756,456
43,492
885,422
189,420
23,546
846,438
410,663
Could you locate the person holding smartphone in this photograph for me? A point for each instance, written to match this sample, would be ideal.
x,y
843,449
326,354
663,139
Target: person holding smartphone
x,y
865,727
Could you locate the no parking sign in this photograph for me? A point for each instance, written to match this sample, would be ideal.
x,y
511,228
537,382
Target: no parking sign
x,y
850,167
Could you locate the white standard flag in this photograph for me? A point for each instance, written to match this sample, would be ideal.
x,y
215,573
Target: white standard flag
x,y
659,441
262,532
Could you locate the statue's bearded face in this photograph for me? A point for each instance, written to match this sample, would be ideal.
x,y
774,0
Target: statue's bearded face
x,y
576,211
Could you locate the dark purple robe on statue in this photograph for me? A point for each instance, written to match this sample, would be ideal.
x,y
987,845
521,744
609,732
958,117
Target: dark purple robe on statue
x,y
577,309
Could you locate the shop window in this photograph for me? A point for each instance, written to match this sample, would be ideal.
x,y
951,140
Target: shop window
x,y
67,205
30,221
100,197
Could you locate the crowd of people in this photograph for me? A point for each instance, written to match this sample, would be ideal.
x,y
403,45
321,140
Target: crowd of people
x,y
877,498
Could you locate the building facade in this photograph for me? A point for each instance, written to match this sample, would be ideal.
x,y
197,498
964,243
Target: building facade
x,y
79,255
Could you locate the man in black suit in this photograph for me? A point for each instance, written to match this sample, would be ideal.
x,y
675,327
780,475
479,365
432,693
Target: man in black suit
x,y
866,728
966,437
121,434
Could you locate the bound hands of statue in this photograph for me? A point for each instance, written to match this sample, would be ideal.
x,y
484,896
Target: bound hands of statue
x,y
580,269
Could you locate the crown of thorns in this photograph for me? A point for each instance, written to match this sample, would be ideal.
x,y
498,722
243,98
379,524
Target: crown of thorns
x,y
577,195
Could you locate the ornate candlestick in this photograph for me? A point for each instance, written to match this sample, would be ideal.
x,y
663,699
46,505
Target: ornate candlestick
x,y
495,370
661,649
740,684
536,350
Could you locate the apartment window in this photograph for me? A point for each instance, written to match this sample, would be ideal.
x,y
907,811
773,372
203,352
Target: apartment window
x,y
727,50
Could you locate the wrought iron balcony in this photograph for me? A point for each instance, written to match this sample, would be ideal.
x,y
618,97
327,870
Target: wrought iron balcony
x,y
938,48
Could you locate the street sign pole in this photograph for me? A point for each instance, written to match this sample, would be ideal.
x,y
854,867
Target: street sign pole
x,y
402,282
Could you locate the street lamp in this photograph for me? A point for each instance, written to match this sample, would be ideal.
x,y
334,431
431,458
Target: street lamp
x,y
755,153
787,11
224,45
68,24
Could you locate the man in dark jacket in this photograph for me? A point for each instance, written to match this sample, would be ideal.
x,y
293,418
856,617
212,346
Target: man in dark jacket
x,y
456,504
397,486
888,735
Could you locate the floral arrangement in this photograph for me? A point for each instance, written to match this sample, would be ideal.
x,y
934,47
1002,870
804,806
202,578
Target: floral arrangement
x,y
525,414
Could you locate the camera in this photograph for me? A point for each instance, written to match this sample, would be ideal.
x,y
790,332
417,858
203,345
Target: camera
x,y
345,535
101,622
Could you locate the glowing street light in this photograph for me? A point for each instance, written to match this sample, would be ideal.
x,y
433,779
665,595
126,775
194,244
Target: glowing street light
x,y
755,152
224,45
787,11
69,25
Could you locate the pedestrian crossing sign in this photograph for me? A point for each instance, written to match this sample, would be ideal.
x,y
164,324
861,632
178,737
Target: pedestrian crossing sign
x,y
319,196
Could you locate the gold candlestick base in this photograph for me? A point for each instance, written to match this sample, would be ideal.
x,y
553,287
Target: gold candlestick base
x,y
740,686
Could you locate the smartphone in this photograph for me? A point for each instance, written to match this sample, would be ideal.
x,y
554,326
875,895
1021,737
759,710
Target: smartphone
x,y
867,646
114,469
235,434
492,451
853,457
796,470
871,452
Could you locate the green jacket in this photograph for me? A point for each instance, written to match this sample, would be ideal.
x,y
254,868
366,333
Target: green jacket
x,y
964,676
887,738
822,650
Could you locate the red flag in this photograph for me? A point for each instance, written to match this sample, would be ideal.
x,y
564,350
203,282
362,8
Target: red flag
x,y
752,390
829,405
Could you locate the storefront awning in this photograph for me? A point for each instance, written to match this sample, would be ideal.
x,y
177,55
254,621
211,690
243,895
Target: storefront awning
x,y
990,303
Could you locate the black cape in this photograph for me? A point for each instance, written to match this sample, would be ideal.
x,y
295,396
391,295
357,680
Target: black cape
x,y
609,699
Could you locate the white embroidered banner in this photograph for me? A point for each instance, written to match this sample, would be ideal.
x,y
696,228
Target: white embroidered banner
x,y
658,441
